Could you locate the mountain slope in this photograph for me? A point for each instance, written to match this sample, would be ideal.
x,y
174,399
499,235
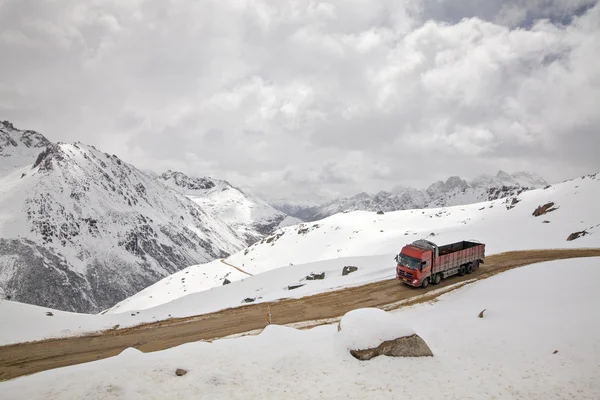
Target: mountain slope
x,y
454,191
81,230
251,217
370,241
496,222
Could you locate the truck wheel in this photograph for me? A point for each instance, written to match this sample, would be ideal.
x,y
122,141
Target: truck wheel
x,y
425,283
462,270
470,268
437,279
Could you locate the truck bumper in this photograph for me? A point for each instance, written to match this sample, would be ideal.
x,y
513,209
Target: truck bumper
x,y
408,281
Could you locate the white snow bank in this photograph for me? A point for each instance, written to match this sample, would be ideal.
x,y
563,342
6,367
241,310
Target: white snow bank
x,y
532,312
367,328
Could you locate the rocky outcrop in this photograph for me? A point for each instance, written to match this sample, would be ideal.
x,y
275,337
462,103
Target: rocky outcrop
x,y
315,277
348,270
576,235
546,208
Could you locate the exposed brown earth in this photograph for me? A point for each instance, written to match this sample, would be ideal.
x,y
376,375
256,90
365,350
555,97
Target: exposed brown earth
x,y
27,358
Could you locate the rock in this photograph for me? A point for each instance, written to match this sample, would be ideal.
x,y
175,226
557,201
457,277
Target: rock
x,y
49,314
313,276
545,222
481,313
555,351
546,208
380,212
348,270
296,286
248,300
180,372
226,281
576,235
409,346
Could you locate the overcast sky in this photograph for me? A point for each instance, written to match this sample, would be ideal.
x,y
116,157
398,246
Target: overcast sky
x,y
295,98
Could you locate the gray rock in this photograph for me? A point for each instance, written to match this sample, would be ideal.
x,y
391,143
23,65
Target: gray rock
x,y
180,372
296,286
409,346
576,235
348,270
313,276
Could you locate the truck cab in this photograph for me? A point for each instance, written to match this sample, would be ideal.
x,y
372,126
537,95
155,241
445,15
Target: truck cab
x,y
414,264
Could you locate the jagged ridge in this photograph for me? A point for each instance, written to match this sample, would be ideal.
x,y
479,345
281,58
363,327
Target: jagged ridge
x,y
454,191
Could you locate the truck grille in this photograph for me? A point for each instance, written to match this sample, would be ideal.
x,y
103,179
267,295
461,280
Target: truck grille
x,y
403,274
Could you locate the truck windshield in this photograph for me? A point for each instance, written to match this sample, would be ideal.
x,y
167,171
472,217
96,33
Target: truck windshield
x,y
408,262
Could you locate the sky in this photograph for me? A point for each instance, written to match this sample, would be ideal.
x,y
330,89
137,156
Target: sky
x,y
307,100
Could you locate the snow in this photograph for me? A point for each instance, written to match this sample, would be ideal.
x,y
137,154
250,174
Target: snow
x,y
100,228
179,284
367,328
360,242
508,354
363,233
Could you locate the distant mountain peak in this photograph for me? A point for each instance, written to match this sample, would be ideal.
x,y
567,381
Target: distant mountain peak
x,y
186,182
453,191
251,217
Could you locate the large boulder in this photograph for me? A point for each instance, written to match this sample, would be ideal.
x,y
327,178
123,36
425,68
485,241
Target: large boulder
x,y
371,332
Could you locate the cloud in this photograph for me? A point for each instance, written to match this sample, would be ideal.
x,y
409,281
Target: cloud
x,y
311,99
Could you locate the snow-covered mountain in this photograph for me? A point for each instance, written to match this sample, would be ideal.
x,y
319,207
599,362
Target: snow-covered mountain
x,y
251,217
81,230
454,191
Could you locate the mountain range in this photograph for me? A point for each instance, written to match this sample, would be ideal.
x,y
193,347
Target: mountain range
x,y
81,230
454,191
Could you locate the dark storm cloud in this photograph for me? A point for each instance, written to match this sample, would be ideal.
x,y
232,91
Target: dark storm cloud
x,y
305,98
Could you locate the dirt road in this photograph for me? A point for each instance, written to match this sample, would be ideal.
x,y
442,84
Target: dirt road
x,y
27,358
238,268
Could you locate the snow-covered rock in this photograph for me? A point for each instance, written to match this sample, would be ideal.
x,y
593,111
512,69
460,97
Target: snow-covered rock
x,y
250,216
367,328
454,191
81,230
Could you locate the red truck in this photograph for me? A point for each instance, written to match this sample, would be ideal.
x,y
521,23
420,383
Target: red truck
x,y
423,262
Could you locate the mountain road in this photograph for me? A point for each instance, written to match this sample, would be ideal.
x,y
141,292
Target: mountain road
x,y
31,357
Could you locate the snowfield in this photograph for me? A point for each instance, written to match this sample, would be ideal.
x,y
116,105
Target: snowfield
x,y
370,241
363,233
199,289
540,342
